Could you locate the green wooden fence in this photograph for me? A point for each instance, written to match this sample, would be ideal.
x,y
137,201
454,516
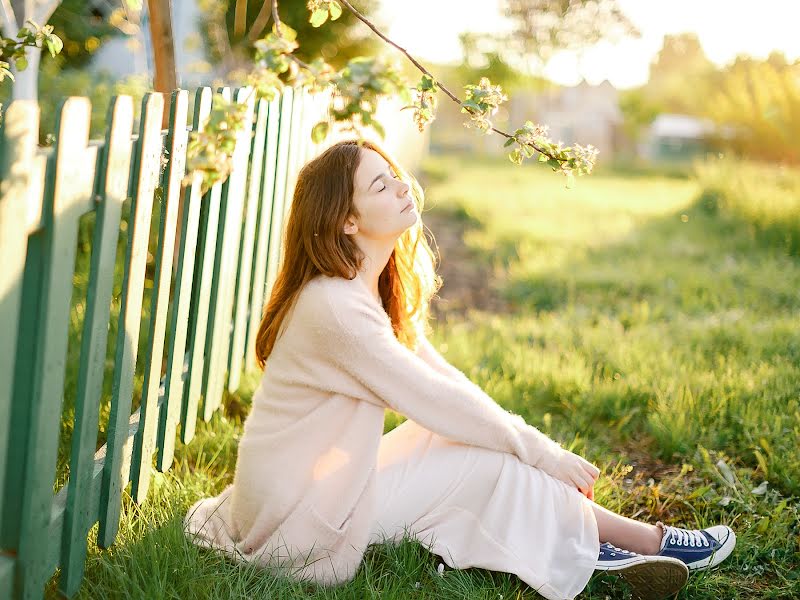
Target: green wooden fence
x,y
215,260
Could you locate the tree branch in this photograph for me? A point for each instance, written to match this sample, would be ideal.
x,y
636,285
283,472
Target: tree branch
x,y
276,18
366,21
261,20
240,18
416,63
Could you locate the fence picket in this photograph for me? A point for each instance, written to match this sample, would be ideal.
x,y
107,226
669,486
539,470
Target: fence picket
x,y
17,148
228,237
176,354
159,303
146,169
264,224
208,405
276,235
201,288
39,381
113,169
295,141
243,290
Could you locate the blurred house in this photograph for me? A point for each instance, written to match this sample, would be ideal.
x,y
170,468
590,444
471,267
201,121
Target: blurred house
x,y
586,114
674,137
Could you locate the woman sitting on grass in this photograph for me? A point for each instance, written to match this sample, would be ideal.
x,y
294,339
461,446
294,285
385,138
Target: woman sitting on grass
x,y
343,337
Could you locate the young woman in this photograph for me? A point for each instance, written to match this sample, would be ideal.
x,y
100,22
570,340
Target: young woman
x,y
343,337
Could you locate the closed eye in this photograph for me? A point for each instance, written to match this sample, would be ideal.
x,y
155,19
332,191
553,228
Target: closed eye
x,y
393,175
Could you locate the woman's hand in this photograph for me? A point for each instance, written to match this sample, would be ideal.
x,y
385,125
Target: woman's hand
x,y
578,472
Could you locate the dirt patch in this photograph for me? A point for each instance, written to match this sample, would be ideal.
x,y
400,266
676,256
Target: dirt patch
x,y
467,276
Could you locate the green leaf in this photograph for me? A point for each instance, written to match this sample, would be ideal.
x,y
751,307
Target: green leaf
x,y
318,17
319,132
405,95
379,129
509,141
427,83
21,63
336,10
54,44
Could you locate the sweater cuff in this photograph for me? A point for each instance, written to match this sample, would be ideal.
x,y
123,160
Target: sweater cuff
x,y
550,456
543,452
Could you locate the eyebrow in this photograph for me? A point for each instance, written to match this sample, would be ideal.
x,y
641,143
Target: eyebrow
x,y
378,176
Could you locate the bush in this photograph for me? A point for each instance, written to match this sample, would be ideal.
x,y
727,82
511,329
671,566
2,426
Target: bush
x,y
766,197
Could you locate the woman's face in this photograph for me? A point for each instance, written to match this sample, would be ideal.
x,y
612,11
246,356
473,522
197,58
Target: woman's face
x,y
381,199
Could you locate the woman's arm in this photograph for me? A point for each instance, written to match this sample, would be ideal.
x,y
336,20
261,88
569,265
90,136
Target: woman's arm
x,y
427,352
359,340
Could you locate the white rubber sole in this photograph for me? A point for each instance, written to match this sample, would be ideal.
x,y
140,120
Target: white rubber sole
x,y
654,577
621,564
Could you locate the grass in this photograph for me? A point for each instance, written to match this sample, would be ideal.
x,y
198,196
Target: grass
x,y
765,197
654,337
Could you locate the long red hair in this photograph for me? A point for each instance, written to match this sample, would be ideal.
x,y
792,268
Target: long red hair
x,y
323,199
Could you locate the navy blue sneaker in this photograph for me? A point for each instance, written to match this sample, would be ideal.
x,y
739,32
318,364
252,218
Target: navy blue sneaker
x,y
650,577
699,548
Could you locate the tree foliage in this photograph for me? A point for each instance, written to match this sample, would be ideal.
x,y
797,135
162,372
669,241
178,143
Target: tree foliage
x,y
31,35
543,27
232,29
84,29
680,74
362,82
757,105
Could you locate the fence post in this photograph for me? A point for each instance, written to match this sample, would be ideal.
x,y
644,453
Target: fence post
x,y
17,151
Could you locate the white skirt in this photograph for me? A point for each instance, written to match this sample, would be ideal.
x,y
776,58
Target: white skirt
x,y
482,508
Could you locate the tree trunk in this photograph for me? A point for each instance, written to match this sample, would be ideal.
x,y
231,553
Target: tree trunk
x,y
165,79
26,83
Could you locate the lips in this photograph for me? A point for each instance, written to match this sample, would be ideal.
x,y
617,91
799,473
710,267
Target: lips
x,y
409,205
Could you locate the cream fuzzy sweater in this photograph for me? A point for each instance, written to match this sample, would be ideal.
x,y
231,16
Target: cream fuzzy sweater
x,y
302,501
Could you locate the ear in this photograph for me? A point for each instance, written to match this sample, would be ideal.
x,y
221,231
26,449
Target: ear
x,y
350,226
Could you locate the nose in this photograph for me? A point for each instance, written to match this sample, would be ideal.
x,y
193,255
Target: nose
x,y
403,189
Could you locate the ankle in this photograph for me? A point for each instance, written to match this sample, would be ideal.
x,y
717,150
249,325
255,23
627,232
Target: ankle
x,y
659,529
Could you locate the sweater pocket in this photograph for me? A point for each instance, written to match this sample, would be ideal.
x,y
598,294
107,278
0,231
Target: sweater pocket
x,y
329,533
305,528
309,547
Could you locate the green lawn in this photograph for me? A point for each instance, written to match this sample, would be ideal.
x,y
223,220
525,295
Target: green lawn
x,y
654,337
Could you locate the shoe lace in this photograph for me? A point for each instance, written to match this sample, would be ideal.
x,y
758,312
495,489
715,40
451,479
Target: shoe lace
x,y
610,546
686,537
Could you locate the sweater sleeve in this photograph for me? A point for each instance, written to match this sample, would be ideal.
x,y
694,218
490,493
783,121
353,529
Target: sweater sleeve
x,y
359,339
429,354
